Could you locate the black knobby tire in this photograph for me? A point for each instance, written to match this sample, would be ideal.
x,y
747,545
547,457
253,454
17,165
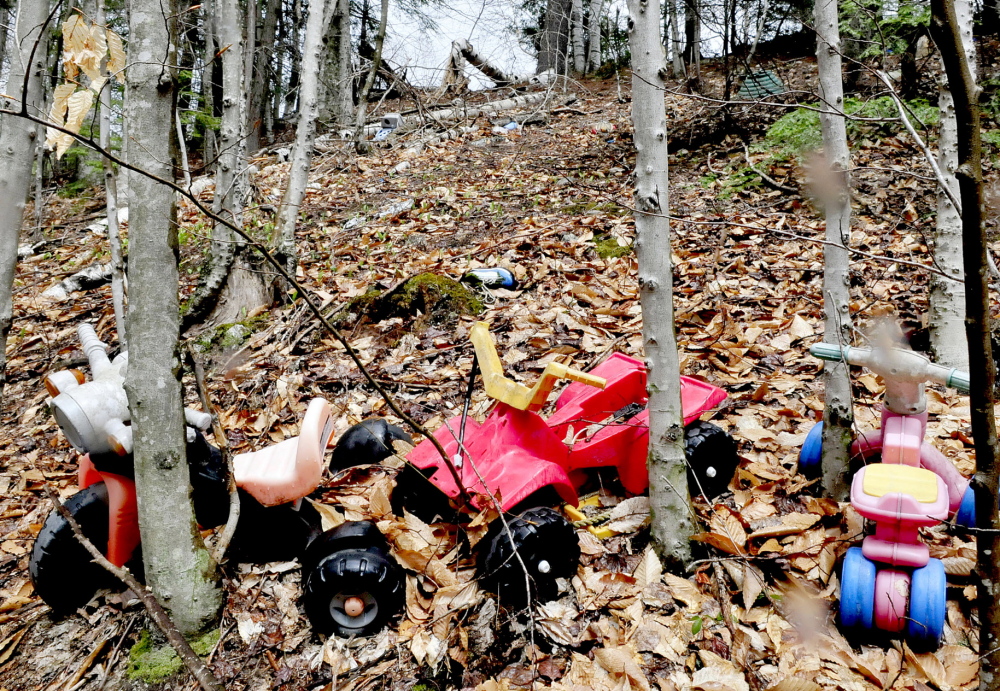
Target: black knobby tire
x,y
547,544
61,569
367,572
368,442
711,457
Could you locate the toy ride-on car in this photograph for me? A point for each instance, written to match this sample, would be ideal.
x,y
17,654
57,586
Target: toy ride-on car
x,y
352,585
523,463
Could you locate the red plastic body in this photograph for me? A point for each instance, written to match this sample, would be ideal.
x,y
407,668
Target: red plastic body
x,y
123,512
515,453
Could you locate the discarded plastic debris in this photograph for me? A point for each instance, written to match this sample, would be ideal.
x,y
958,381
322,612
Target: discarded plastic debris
x,y
382,134
760,84
396,209
491,278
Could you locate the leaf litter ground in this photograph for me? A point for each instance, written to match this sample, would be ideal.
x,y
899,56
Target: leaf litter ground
x,y
758,610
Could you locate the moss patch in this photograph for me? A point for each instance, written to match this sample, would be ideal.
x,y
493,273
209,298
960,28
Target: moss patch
x,y
154,664
436,299
607,247
230,336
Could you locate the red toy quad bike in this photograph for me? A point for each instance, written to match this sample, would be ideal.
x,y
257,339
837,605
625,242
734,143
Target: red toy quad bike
x,y
352,584
528,462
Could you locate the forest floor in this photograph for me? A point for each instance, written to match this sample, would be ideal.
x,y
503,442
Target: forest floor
x,y
757,611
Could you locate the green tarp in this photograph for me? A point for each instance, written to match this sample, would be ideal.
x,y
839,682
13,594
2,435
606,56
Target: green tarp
x,y
760,84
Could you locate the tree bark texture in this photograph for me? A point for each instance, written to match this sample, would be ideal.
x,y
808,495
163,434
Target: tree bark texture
x,y
946,30
675,40
259,97
594,35
209,149
305,133
359,124
250,142
228,200
946,317
336,75
838,413
554,43
179,570
579,53
672,526
499,77
17,150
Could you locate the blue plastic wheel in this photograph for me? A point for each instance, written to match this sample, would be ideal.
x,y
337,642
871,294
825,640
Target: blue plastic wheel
x,y
966,514
928,596
857,591
811,454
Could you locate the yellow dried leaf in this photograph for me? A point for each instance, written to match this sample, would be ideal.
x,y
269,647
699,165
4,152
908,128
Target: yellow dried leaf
x,y
78,106
330,518
725,523
795,684
75,34
649,570
116,59
621,662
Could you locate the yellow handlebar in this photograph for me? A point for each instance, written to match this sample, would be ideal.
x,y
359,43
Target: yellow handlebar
x,y
510,392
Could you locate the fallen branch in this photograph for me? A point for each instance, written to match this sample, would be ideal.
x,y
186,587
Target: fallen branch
x,y
93,276
494,73
202,674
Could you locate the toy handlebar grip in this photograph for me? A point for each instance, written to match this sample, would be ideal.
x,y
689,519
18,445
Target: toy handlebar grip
x,y
955,378
827,351
584,378
196,418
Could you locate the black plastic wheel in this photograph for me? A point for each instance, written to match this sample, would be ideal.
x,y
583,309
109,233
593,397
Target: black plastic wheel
x,y
369,441
355,589
711,457
62,571
547,545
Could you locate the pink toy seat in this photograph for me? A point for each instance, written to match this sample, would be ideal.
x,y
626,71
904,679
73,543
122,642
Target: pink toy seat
x,y
293,468
900,499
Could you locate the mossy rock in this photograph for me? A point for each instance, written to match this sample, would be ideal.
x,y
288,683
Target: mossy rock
x,y
437,299
230,336
607,247
153,664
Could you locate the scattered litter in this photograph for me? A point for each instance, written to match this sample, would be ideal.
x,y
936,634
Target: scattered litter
x,y
396,209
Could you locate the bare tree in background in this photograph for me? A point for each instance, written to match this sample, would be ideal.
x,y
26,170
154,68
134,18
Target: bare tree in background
x,y
553,46
668,489
579,53
305,133
17,148
946,318
838,414
336,75
594,34
179,569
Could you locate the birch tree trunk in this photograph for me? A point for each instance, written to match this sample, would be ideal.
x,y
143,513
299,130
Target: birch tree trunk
x,y
228,200
336,103
210,148
838,414
947,297
179,570
668,491
946,28
258,97
250,142
579,54
17,151
305,133
594,35
111,195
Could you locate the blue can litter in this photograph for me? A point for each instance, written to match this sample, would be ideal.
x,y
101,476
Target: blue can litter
x,y
491,278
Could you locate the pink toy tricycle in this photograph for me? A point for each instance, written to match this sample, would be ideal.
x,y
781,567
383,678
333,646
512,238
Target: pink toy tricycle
x,y
527,463
890,582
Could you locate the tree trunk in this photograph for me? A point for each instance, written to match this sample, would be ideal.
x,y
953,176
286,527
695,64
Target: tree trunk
x,y
228,200
579,54
554,44
259,100
251,143
838,413
946,317
467,52
179,569
336,75
594,35
305,133
210,147
17,152
111,196
668,491
359,124
947,32
294,76
675,40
